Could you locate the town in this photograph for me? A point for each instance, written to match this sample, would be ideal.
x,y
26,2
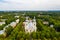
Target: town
x,y
29,25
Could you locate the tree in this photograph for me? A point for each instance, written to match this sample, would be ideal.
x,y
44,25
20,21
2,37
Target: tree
x,y
8,30
34,35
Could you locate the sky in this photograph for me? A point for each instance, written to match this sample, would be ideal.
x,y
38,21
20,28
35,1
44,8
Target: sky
x,y
30,5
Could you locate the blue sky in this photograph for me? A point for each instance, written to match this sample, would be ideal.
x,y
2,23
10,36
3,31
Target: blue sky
x,y
29,4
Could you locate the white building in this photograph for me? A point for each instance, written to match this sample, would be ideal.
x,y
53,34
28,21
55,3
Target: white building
x,y
45,22
16,16
17,21
1,23
1,32
30,25
13,24
52,25
3,20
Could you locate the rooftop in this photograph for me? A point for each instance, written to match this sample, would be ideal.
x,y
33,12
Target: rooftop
x,y
2,31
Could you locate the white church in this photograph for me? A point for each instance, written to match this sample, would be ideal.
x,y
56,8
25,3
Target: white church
x,y
30,25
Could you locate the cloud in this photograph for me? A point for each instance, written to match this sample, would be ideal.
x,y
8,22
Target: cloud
x,y
30,5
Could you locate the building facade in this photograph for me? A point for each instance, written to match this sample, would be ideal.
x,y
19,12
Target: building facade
x,y
30,25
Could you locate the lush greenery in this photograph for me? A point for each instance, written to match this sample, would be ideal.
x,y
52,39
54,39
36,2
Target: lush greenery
x,y
44,32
